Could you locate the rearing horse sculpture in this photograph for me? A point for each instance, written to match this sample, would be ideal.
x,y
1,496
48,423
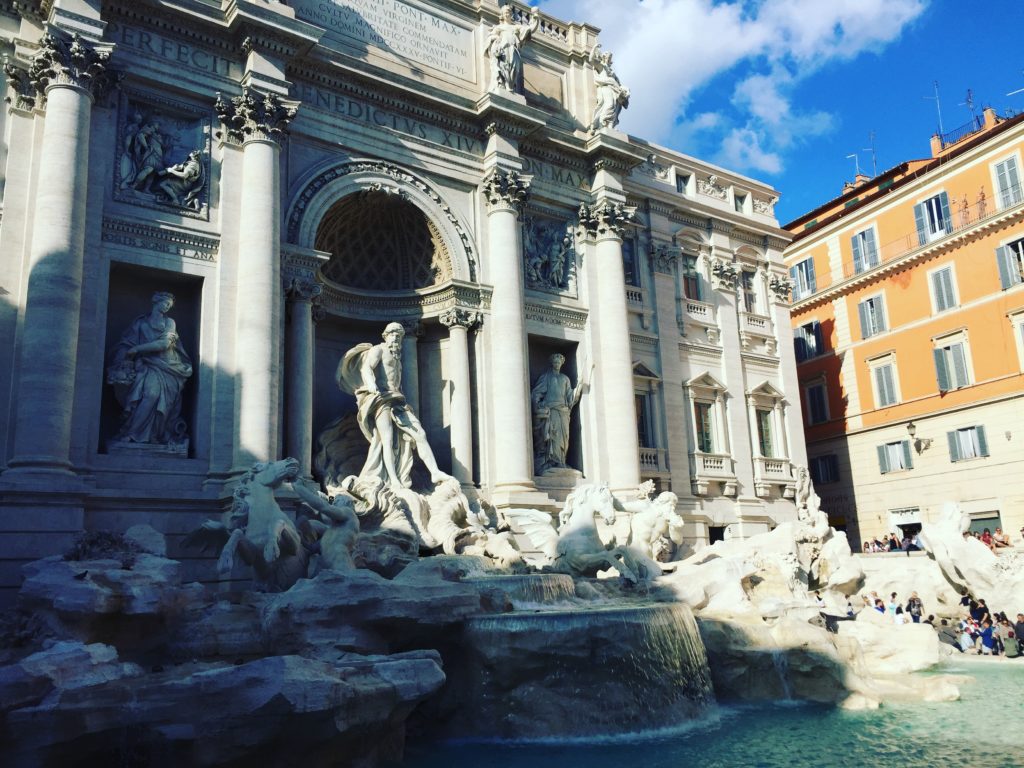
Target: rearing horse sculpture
x,y
575,548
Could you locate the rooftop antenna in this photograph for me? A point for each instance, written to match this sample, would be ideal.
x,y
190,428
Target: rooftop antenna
x,y
969,103
856,163
938,106
871,149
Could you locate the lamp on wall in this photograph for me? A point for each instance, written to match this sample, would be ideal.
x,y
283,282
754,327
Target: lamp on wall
x,y
920,444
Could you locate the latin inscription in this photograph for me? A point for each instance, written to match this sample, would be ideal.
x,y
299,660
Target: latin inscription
x,y
552,173
173,51
397,27
362,112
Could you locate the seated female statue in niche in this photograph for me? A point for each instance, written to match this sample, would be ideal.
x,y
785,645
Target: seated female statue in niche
x,y
148,369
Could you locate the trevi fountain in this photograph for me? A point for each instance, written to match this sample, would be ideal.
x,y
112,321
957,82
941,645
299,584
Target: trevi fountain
x,y
369,398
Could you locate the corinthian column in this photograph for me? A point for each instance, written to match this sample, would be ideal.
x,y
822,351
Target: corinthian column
x,y
258,122
70,74
458,322
605,224
299,368
506,192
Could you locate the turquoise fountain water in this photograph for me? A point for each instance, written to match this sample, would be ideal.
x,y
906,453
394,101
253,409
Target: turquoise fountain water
x,y
982,730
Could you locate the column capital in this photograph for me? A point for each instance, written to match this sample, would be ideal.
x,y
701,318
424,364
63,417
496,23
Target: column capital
x,y
606,219
462,318
73,63
255,116
506,189
22,93
302,289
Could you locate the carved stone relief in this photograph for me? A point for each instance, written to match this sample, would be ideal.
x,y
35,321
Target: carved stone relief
x,y
549,255
781,287
712,188
725,275
765,206
163,155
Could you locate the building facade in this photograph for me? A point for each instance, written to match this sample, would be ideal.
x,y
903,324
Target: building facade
x,y
908,321
298,176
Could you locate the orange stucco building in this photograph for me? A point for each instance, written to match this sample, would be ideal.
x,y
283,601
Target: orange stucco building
x,y
908,316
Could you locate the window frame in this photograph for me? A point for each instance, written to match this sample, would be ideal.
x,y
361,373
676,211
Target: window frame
x,y
690,276
709,430
800,335
815,384
633,273
806,276
813,467
882,314
1014,157
857,246
906,456
937,202
947,342
979,443
1010,262
1016,319
954,288
875,365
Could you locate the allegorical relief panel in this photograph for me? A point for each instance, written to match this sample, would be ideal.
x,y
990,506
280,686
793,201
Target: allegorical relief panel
x,y
549,255
163,155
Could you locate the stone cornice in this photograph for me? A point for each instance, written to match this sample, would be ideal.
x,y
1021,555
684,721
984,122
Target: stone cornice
x,y
255,116
161,238
414,305
552,314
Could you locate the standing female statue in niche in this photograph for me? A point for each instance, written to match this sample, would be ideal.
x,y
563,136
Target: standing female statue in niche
x,y
504,42
149,369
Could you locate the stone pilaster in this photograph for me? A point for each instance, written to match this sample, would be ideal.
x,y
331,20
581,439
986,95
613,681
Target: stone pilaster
x,y
69,74
604,224
505,192
458,322
299,359
258,122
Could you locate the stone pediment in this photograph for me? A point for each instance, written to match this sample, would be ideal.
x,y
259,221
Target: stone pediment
x,y
642,371
766,390
706,381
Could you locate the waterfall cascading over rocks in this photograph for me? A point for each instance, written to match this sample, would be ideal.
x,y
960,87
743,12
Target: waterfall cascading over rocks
x,y
531,590
581,672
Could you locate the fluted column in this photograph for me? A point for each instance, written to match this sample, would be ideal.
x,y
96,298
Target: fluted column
x,y
506,192
70,73
258,122
605,224
299,358
458,322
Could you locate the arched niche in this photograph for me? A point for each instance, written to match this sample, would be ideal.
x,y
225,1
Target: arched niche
x,y
392,191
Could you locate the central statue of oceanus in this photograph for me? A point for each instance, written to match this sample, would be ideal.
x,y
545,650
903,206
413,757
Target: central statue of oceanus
x,y
373,373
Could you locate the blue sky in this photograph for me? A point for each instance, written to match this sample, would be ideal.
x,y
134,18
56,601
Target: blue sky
x,y
784,90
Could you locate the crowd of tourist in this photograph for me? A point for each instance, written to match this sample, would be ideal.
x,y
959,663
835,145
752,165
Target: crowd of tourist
x,y
978,630
893,543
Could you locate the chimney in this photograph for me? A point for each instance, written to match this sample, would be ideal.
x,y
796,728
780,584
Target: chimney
x,y
860,180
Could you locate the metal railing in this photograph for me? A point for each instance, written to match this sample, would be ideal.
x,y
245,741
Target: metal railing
x,y
963,214
952,137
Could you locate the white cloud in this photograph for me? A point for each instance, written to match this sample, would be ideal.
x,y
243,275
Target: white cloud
x,y
667,51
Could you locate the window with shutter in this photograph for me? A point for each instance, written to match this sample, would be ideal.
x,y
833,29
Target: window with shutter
x,y
817,403
872,316
1008,182
951,365
865,250
1010,260
942,289
967,443
885,385
893,457
933,220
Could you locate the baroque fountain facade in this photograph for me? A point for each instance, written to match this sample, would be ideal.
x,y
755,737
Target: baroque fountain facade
x,y
404,244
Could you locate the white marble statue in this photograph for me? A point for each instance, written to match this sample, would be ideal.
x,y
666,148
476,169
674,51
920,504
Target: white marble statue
x,y
146,149
149,368
655,528
552,399
612,95
373,373
334,523
575,546
183,182
504,43
256,529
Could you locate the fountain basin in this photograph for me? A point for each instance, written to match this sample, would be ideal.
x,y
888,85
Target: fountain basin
x,y
530,590
578,673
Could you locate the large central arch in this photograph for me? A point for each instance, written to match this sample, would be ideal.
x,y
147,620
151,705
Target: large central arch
x,y
324,188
